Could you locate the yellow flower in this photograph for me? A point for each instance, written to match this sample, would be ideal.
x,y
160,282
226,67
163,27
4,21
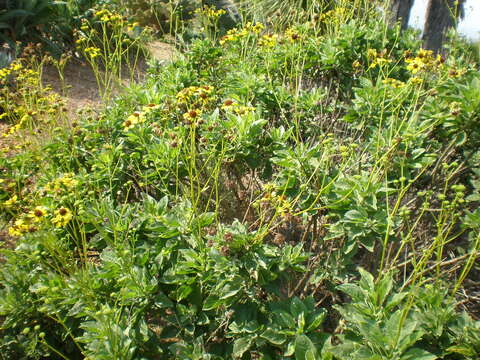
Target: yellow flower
x,y
257,28
242,110
92,52
415,65
396,84
415,80
191,115
150,107
19,228
228,104
128,124
62,217
372,53
137,117
68,181
211,12
268,40
38,213
17,66
292,35
10,202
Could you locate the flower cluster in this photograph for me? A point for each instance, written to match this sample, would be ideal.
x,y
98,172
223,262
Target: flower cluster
x,y
106,16
211,12
19,228
139,117
23,99
232,106
237,34
268,40
377,58
39,214
425,60
278,201
14,128
7,71
195,98
92,52
336,16
64,183
394,83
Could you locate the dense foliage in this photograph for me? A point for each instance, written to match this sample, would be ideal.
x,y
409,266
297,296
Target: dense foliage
x,y
309,193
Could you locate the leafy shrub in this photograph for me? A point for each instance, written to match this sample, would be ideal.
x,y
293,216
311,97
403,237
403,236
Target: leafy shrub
x,y
228,206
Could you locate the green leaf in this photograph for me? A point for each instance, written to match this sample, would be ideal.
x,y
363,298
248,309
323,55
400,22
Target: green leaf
x,y
162,301
297,307
304,348
274,337
383,289
231,289
212,302
286,320
317,320
240,346
394,301
462,350
352,290
183,291
366,281
418,354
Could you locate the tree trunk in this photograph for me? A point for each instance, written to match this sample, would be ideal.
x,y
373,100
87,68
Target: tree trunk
x,y
400,11
441,16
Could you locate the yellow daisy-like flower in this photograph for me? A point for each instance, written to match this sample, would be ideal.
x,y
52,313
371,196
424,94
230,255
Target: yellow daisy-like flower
x,y
415,80
38,214
62,217
292,35
150,107
10,202
396,84
128,124
268,40
228,104
415,65
137,117
191,115
19,228
242,110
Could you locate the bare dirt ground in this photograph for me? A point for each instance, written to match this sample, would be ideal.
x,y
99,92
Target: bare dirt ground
x,y
81,85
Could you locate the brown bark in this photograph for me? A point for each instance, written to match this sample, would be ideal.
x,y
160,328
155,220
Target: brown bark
x,y
441,16
400,11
